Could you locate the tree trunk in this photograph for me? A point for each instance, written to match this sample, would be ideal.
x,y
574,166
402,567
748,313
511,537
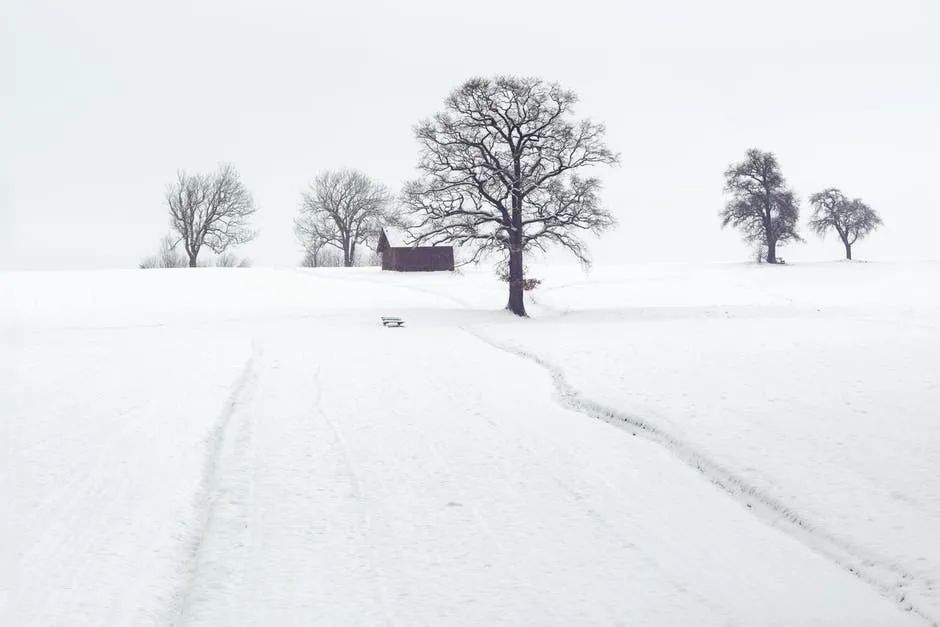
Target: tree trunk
x,y
192,261
772,251
516,280
516,302
848,251
767,216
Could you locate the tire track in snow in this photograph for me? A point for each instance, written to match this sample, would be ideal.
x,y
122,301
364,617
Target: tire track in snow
x,y
365,517
889,578
215,493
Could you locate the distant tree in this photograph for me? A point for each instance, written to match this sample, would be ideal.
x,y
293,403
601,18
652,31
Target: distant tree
x,y
229,260
210,210
309,259
226,260
499,171
167,256
341,209
322,258
312,241
850,219
761,205
148,263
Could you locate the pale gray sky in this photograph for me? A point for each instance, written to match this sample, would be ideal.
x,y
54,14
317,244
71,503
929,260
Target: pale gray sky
x,y
102,100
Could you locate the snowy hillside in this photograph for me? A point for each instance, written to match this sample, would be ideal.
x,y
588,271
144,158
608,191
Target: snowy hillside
x,y
658,445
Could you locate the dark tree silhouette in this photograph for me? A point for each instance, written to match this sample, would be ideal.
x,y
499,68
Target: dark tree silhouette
x,y
850,219
761,205
210,210
341,209
499,174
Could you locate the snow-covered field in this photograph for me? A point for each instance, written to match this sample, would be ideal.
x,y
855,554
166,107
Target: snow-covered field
x,y
658,445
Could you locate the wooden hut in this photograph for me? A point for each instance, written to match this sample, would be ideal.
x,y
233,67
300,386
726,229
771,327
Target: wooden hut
x,y
401,258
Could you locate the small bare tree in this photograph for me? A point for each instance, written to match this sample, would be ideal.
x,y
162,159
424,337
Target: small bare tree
x,y
324,258
226,260
311,258
850,219
170,257
342,210
312,238
499,174
229,260
761,205
210,210
167,256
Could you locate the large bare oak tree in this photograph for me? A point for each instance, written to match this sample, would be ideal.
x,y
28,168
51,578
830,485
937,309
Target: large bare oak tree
x,y
850,219
341,209
499,173
210,210
762,207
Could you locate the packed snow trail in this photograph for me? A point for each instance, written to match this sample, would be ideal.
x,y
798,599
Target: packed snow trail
x,y
810,392
381,476
888,577
103,437
225,490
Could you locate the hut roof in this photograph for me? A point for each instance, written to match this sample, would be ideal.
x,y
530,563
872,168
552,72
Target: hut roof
x,y
394,238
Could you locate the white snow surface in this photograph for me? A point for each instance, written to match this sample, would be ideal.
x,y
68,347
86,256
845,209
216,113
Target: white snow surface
x,y
656,445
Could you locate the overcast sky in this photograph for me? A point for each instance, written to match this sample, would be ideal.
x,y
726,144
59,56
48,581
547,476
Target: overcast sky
x,y
102,101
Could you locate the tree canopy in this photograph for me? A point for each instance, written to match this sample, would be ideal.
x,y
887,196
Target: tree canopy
x,y
500,172
850,219
341,209
210,210
762,207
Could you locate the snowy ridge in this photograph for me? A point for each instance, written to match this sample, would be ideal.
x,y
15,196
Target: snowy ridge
x,y
887,577
221,495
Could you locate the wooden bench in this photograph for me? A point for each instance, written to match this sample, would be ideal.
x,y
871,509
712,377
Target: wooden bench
x,y
392,321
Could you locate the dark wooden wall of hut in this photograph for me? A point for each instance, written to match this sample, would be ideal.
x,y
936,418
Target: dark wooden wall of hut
x,y
420,259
